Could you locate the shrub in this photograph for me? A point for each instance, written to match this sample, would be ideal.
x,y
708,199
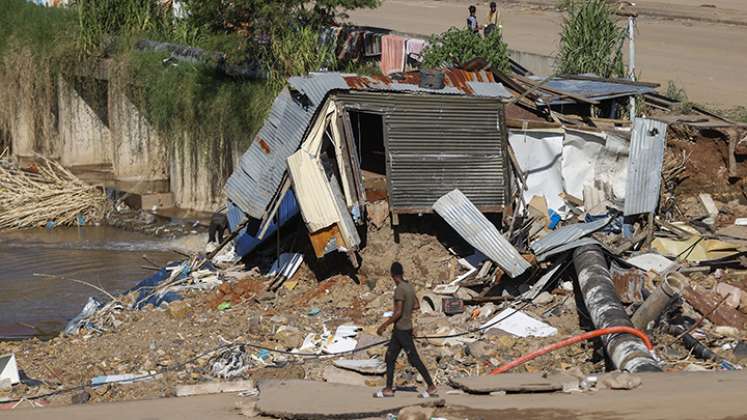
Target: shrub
x,y
591,40
457,46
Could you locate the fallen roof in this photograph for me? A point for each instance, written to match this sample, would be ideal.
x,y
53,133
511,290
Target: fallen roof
x,y
593,88
253,186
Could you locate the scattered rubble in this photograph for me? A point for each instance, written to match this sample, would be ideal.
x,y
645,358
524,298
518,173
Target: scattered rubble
x,y
627,231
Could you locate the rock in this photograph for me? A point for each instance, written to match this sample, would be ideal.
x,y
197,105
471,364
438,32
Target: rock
x,y
620,380
465,293
341,376
378,212
543,298
567,286
725,331
740,351
247,408
733,294
6,385
266,296
289,337
694,368
279,319
480,350
415,413
81,397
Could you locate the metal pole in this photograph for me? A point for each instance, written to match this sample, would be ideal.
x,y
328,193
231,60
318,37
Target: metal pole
x,y
626,351
631,61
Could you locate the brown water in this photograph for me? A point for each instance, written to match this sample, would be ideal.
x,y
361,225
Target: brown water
x,y
107,257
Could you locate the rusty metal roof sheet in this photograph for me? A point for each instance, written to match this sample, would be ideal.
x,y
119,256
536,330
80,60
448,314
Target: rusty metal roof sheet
x,y
647,146
253,185
567,234
477,230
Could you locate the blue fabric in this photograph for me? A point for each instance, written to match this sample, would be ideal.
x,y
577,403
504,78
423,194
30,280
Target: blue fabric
x,y
147,285
246,243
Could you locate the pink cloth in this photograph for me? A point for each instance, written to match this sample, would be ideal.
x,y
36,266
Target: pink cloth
x,y
415,48
392,54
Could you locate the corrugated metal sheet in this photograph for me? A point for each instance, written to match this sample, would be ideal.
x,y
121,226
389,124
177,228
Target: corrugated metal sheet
x,y
262,168
436,144
566,235
312,190
647,145
253,186
476,229
490,90
597,89
567,247
234,215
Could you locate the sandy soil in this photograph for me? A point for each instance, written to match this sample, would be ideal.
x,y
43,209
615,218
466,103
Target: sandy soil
x,y
704,58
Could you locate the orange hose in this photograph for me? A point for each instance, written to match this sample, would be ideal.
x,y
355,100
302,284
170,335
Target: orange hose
x,y
573,340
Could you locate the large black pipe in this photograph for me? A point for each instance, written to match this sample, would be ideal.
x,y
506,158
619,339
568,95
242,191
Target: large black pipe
x,y
626,351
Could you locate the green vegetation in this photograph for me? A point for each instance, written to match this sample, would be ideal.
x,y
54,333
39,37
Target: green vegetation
x,y
680,95
591,40
458,46
183,101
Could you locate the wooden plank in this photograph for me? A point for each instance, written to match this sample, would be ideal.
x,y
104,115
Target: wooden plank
x,y
704,301
321,238
213,388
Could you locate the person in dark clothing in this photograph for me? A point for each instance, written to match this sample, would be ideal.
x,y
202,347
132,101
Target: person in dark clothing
x,y
218,225
472,20
405,302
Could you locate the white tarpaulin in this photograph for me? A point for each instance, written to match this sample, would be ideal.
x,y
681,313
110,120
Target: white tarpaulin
x,y
594,164
587,165
520,324
539,154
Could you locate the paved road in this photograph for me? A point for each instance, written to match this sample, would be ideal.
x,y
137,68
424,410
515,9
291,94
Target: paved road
x,y
707,59
695,395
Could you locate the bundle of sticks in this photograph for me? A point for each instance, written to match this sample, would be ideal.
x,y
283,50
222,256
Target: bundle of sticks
x,y
46,193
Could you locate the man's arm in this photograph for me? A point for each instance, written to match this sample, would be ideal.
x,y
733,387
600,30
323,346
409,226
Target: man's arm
x,y
396,315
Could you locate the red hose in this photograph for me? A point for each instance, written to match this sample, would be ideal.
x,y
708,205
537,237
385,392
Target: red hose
x,y
573,340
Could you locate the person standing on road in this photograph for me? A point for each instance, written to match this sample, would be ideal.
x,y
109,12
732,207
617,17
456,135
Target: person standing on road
x,y
472,20
405,302
494,19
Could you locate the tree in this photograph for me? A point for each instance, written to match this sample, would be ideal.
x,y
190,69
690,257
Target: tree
x,y
591,40
264,17
458,46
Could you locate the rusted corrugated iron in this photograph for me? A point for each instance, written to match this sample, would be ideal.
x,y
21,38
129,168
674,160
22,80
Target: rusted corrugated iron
x,y
454,78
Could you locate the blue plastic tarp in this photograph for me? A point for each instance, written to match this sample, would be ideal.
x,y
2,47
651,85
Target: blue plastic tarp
x,y
247,241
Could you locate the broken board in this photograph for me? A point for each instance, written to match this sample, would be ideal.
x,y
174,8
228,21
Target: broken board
x,y
297,399
512,382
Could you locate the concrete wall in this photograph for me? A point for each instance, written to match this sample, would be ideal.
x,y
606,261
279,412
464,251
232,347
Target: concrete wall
x,y
190,177
140,158
22,129
542,65
84,137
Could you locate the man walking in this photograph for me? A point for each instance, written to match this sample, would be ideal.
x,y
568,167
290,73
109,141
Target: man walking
x,y
405,302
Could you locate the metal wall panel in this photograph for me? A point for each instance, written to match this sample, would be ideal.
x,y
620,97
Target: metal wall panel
x,y
566,235
435,144
647,145
476,229
253,186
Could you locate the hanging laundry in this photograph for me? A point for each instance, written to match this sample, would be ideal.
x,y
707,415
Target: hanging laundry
x,y
353,46
392,54
372,44
414,49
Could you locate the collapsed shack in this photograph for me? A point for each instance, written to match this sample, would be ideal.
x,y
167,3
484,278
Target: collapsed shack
x,y
598,235
337,142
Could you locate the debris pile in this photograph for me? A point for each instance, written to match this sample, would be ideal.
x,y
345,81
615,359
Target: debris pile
x,y
568,247
46,194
